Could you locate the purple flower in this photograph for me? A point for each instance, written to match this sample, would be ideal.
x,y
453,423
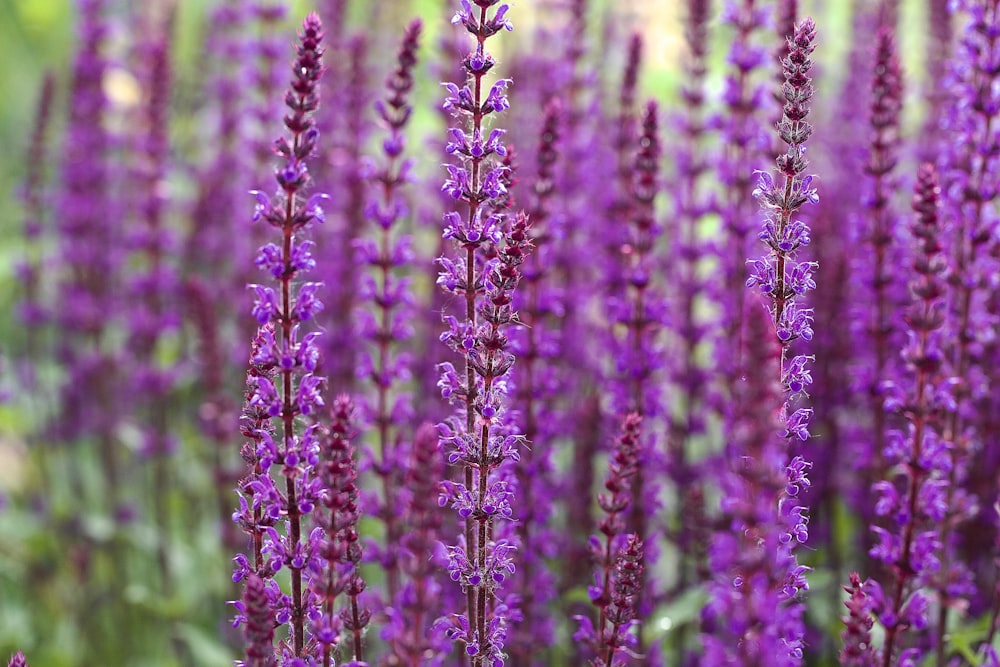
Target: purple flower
x,y
492,249
336,540
762,492
281,385
614,597
255,612
911,499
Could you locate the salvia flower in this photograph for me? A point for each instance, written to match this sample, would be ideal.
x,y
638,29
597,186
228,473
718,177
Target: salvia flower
x,y
762,493
485,273
886,104
408,633
778,275
384,320
338,542
254,612
911,500
968,179
607,551
754,615
745,140
287,388
537,345
857,635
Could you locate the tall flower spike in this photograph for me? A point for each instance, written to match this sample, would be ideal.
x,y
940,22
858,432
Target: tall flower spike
x,y
625,588
781,278
766,471
485,273
618,200
289,390
911,498
638,315
745,142
857,634
257,615
337,516
410,639
687,420
89,259
607,550
971,163
17,660
784,22
384,320
753,616
537,345
878,264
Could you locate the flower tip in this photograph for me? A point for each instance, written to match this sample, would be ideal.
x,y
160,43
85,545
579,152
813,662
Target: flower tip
x,y
312,22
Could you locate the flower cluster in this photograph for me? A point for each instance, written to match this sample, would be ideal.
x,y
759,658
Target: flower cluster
x,y
887,295
763,494
968,179
383,318
336,516
857,635
537,345
479,438
743,126
618,557
282,384
912,498
408,634
777,425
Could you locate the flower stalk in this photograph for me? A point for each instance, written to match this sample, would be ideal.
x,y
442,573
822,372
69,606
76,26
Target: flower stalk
x,y
476,439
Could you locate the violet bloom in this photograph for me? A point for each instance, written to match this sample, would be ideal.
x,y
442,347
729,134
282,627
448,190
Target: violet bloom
x,y
618,200
337,542
288,389
780,277
254,611
637,315
626,585
753,617
969,181
218,242
936,90
539,387
88,259
347,182
877,264
745,141
614,615
785,16
857,634
408,633
759,568
383,321
263,65
475,438
912,498
483,561
687,420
